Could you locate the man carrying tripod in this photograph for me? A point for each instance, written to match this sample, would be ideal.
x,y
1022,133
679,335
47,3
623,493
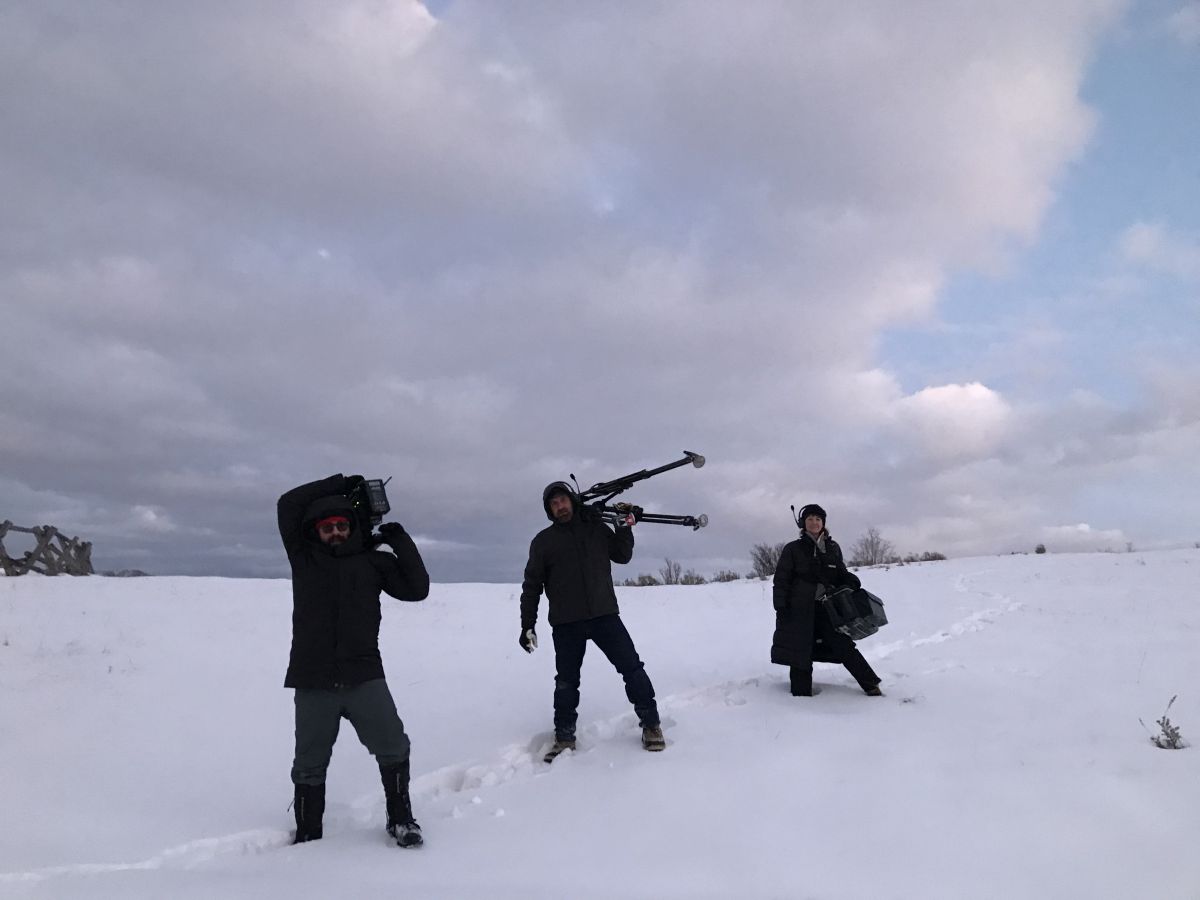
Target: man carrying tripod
x,y
571,560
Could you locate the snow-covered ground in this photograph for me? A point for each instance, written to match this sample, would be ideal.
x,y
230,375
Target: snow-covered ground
x,y
145,742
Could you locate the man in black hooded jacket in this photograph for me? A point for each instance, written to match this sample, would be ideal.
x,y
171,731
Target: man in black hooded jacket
x,y
335,666
571,561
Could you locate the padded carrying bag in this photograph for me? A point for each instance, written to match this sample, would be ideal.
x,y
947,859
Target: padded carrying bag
x,y
855,612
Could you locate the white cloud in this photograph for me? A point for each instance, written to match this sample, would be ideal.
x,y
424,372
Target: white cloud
x,y
956,421
151,519
1162,250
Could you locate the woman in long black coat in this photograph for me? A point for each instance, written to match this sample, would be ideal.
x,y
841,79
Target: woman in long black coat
x,y
808,568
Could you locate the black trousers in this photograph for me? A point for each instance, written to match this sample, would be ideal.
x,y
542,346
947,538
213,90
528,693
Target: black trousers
x,y
368,707
832,645
610,635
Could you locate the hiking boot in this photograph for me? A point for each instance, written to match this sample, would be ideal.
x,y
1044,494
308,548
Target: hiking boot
x,y
652,738
406,834
559,746
400,822
873,691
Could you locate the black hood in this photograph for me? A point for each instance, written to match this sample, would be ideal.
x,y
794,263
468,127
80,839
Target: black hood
x,y
333,505
558,487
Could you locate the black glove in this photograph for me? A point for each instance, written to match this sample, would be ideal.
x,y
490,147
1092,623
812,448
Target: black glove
x,y
528,640
391,532
351,482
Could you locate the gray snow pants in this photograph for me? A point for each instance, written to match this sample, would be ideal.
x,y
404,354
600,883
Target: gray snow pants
x,y
368,707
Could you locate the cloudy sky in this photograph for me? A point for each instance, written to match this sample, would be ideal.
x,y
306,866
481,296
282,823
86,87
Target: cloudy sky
x,y
933,265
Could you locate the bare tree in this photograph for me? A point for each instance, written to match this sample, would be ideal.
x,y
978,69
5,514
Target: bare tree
x,y
671,571
764,558
871,550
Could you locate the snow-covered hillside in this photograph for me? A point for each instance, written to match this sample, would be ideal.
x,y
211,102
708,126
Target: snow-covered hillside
x,y
145,742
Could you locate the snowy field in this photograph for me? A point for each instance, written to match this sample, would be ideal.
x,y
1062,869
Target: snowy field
x,y
145,742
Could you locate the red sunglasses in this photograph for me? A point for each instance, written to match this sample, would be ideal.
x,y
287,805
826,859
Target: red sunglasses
x,y
330,527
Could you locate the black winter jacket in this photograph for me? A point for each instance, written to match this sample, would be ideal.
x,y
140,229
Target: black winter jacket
x,y
572,562
335,589
801,635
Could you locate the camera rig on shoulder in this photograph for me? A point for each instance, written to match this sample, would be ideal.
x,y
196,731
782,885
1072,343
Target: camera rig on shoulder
x,y
597,497
368,499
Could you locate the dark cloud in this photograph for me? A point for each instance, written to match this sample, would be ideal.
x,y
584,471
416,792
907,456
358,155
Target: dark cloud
x,y
252,244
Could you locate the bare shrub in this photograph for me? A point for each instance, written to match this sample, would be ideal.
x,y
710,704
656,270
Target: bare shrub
x,y
670,571
764,559
872,549
726,575
642,580
927,556
691,576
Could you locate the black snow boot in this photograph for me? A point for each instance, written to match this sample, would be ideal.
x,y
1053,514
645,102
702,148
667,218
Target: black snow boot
x,y
560,746
400,822
310,807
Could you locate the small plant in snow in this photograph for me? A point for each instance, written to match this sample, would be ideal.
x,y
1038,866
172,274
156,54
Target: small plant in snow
x,y
1168,737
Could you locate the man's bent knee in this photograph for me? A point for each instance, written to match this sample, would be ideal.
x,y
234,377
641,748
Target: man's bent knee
x,y
312,776
396,754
